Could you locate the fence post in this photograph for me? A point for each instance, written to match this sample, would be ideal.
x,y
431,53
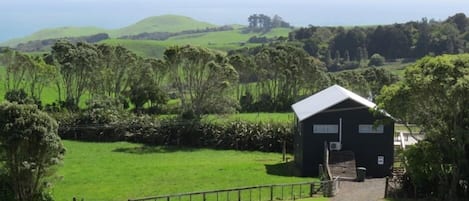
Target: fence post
x,y
203,195
327,188
239,195
321,171
292,193
386,188
311,190
271,192
74,199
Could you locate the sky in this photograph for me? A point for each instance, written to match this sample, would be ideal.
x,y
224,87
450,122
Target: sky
x,y
19,18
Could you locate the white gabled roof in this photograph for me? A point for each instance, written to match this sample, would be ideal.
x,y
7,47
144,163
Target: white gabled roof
x,y
324,99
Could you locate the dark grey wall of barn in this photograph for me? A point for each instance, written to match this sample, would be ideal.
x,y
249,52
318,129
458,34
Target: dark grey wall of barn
x,y
367,147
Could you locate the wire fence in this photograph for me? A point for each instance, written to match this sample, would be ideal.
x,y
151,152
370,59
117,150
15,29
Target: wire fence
x,y
254,193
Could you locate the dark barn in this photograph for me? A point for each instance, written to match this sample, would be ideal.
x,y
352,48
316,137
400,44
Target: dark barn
x,y
345,122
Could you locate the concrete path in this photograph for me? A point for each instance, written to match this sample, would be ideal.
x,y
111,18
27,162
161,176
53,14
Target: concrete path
x,y
370,190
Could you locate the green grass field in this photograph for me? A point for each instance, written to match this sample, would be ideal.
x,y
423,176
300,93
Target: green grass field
x,y
59,32
397,67
222,40
118,171
282,118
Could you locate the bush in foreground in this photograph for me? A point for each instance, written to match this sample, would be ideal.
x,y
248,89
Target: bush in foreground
x,y
29,147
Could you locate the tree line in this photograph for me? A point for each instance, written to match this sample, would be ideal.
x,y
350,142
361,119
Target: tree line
x,y
264,23
346,48
265,78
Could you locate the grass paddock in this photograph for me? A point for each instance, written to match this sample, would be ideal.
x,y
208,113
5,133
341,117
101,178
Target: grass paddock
x,y
121,170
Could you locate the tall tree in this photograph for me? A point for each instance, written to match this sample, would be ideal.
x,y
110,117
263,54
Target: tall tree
x,y
28,73
116,66
434,94
422,46
40,75
284,70
145,83
77,65
202,78
17,65
460,21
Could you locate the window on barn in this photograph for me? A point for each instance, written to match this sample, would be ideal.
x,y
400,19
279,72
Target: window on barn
x,y
325,128
370,128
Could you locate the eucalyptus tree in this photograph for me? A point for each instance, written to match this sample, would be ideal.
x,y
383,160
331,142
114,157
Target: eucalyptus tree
x,y
284,71
77,64
39,75
116,65
246,68
203,79
28,73
17,65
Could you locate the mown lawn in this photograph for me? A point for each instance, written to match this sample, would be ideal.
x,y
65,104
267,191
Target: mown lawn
x,y
121,170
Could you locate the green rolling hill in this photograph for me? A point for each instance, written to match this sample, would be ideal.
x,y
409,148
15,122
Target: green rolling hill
x,y
221,40
59,32
184,30
164,23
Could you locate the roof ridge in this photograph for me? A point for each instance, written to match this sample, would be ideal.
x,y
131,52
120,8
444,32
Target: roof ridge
x,y
326,98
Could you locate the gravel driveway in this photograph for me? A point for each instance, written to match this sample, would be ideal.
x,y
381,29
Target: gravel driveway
x,y
370,190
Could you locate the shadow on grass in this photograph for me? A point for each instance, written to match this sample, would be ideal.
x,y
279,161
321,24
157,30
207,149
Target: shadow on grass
x,y
287,169
146,149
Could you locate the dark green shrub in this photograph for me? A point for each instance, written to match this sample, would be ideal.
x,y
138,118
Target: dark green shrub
x,y
102,110
246,102
237,135
19,96
376,60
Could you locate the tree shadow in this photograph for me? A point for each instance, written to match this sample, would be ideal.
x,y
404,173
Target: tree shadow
x,y
147,149
286,169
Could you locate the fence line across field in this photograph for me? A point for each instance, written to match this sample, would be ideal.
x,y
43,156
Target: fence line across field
x,y
291,191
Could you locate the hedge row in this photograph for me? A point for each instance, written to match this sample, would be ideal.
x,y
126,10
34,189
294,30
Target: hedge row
x,y
237,135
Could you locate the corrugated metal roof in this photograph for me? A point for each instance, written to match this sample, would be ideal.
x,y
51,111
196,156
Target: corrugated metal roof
x,y
324,99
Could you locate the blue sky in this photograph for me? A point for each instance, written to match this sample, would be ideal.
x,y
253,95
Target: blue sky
x,y
22,17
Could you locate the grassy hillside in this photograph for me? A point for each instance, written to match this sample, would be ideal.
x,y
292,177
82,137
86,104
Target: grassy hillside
x,y
118,171
223,40
60,32
146,48
163,23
